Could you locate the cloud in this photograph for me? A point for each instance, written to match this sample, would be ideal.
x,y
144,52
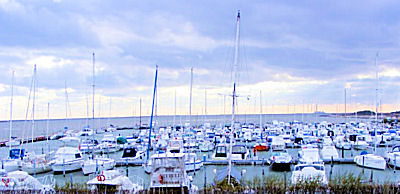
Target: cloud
x,y
293,51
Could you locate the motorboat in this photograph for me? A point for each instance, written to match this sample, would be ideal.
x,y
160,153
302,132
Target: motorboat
x,y
107,145
206,146
114,181
13,142
309,172
88,145
192,163
360,143
97,164
239,152
370,161
281,161
329,152
341,142
169,174
67,159
393,157
309,154
221,152
277,143
86,132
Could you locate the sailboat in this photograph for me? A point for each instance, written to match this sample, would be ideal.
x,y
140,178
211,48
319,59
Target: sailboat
x,y
35,163
230,173
148,165
372,160
14,161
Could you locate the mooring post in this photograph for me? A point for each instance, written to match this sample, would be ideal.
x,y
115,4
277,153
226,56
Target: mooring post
x,y
64,167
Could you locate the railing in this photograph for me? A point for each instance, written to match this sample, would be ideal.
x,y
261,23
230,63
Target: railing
x,y
47,180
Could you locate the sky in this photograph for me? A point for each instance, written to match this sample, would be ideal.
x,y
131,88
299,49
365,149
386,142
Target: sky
x,y
299,55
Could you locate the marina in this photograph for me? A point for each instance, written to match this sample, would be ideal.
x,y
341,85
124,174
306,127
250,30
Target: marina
x,y
305,102
255,165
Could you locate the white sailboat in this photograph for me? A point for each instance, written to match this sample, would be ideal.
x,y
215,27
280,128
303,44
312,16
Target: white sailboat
x,y
34,164
372,160
11,164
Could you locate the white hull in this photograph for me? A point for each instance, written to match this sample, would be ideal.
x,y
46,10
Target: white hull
x,y
58,166
371,161
107,150
37,169
89,166
206,148
13,143
360,146
190,166
10,165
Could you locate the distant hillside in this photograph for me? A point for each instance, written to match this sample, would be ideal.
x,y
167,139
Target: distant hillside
x,y
364,112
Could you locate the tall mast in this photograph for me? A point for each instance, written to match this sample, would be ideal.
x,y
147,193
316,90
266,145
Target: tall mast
x,y
11,105
151,117
109,123
33,103
261,112
173,127
376,97
66,103
140,112
235,80
345,107
93,86
47,127
190,98
205,105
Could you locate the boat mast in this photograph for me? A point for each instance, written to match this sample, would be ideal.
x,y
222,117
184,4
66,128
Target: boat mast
x,y
93,86
151,117
140,112
11,105
376,97
66,105
47,127
190,98
173,127
205,105
33,103
261,127
235,80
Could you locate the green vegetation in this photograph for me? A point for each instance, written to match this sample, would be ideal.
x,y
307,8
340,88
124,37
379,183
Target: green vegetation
x,y
347,183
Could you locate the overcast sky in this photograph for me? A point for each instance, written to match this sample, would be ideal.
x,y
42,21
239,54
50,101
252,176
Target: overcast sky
x,y
295,52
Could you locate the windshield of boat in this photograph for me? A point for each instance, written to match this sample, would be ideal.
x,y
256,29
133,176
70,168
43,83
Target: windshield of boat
x,y
220,151
316,167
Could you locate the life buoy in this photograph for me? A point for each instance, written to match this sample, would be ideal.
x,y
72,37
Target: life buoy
x,y
101,177
6,181
160,178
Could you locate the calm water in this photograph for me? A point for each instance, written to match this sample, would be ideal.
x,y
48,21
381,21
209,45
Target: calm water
x,y
24,128
388,175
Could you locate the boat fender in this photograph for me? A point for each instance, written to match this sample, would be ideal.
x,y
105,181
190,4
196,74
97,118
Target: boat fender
x,y
6,181
101,177
160,178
